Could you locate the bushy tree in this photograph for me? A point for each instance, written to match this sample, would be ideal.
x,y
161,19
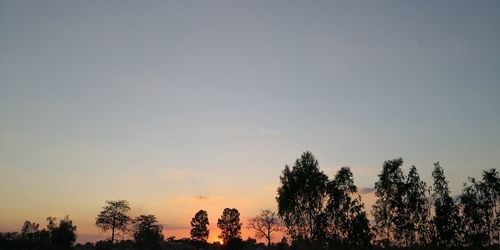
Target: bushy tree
x,y
229,225
147,232
301,199
62,236
199,224
113,217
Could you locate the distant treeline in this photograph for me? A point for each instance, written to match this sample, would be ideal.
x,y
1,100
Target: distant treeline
x,y
314,212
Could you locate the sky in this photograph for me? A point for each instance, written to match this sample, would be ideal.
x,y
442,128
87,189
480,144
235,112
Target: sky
x,y
178,106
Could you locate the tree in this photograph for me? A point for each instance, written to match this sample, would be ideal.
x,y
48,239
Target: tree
x,y
229,224
479,203
301,198
147,232
113,216
199,224
447,218
416,210
347,221
389,191
62,236
265,224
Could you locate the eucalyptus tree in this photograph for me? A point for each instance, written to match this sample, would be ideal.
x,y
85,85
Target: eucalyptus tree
x,y
447,220
416,210
388,208
346,218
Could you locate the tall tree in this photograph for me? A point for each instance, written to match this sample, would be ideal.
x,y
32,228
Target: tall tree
x,y
147,232
347,222
113,217
447,217
387,209
490,189
199,224
301,199
265,224
475,215
229,225
416,210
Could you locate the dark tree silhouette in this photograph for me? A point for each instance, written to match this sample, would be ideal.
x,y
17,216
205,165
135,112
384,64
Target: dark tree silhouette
x,y
479,203
447,218
199,224
62,236
386,210
113,217
147,232
347,221
301,197
416,210
490,190
229,225
265,224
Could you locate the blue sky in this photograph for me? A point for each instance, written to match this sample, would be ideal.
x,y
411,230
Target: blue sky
x,y
161,102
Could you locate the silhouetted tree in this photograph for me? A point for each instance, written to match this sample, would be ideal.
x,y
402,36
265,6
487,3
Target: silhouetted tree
x,y
347,221
62,236
416,210
389,190
147,232
199,224
475,214
490,190
301,198
113,217
265,224
229,224
479,202
447,218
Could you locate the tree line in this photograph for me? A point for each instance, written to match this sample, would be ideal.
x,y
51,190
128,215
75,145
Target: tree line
x,y
314,212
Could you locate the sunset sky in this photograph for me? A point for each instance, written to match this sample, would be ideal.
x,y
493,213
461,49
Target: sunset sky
x,y
178,106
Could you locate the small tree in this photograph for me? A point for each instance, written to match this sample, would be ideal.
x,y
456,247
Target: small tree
x,y
229,224
199,224
113,216
147,232
265,224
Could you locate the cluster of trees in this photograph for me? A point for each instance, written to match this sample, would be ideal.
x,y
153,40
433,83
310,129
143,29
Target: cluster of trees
x,y
55,236
319,212
314,212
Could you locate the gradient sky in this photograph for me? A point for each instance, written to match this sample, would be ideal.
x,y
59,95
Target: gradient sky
x,y
178,106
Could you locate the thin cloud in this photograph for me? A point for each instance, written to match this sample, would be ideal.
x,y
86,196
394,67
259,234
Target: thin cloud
x,y
202,197
366,190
